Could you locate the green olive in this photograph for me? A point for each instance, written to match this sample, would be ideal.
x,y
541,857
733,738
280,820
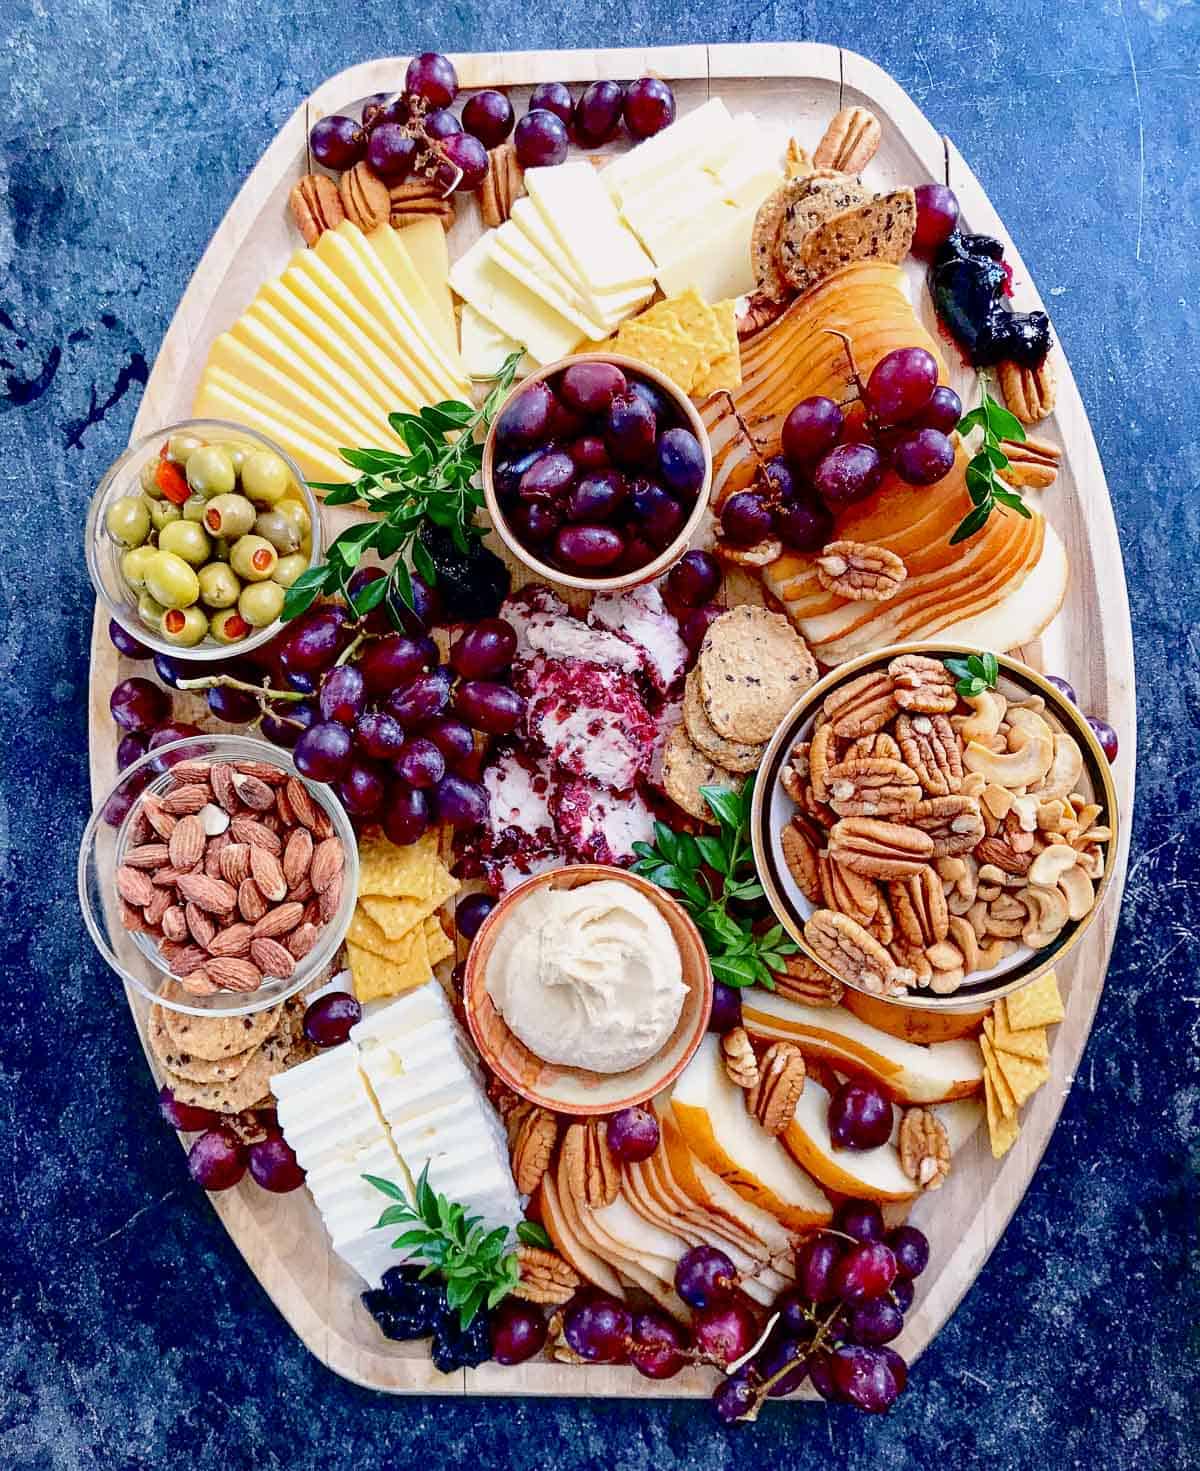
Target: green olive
x,y
219,588
237,453
186,540
150,611
133,566
228,626
184,626
163,512
181,447
127,520
280,530
210,471
289,568
194,508
253,558
261,603
148,479
171,581
265,477
229,516
296,512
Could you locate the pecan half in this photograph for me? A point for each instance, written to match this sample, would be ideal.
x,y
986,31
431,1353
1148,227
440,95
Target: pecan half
x,y
874,787
850,143
740,1062
1030,393
849,892
761,554
861,573
1032,463
364,197
922,684
804,981
880,746
316,206
919,906
502,184
546,1278
853,953
533,1146
591,1172
879,849
862,706
954,824
931,747
924,1148
801,853
773,1098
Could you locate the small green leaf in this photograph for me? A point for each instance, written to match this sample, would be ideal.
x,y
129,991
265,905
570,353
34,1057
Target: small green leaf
x,y
1001,423
643,850
960,668
370,596
423,562
724,805
417,1237
342,495
976,419
1013,501
530,1233
713,852
734,970
996,457
373,461
991,668
973,522
387,1188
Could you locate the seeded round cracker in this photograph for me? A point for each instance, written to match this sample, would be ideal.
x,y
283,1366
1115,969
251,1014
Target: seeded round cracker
x,y
184,1064
214,1037
686,770
817,198
733,755
877,229
234,1094
752,669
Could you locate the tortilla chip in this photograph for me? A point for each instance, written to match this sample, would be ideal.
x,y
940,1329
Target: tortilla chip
x,y
393,872
395,917
1023,1077
1024,1042
376,976
1037,1005
438,943
1004,1094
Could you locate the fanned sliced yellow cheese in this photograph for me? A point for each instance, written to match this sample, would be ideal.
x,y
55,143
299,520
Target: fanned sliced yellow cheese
x,y
523,265
218,397
616,303
437,314
425,243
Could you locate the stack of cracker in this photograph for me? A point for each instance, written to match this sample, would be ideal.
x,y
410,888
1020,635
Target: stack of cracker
x,y
395,937
1016,1055
694,344
225,1062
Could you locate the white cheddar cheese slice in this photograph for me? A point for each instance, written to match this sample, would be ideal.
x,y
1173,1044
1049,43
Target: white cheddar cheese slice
x,y
484,347
425,243
689,137
717,263
215,400
552,289
511,307
618,302
291,352
398,262
581,215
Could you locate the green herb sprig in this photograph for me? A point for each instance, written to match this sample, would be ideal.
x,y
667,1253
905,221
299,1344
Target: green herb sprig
x,y
436,483
984,486
476,1264
677,861
975,673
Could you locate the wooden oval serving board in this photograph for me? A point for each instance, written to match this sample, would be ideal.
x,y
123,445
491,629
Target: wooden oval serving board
x,y
799,86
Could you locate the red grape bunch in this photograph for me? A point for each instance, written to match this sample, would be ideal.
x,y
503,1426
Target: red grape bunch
x,y
834,454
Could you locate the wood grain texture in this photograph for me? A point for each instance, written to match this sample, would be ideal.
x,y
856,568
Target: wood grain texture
x,y
801,85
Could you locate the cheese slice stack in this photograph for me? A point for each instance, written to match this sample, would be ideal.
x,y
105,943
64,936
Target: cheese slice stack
x,y
565,269
691,194
355,329
403,1092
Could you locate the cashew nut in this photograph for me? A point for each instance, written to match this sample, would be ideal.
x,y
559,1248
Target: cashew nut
x,y
988,711
946,982
1052,816
1051,863
997,800
1047,916
1091,861
994,953
1065,769
1014,768
1025,725
1080,894
967,942
945,955
1026,810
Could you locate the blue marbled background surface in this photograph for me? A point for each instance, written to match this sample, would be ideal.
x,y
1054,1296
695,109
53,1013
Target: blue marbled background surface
x,y
134,1336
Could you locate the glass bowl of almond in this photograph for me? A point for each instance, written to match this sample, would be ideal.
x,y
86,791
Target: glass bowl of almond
x,y
215,879
935,826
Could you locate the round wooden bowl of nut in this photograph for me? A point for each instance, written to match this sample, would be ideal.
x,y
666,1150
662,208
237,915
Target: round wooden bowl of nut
x,y
935,826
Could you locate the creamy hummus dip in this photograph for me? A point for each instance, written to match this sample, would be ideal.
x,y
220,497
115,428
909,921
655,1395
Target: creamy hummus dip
x,y
590,977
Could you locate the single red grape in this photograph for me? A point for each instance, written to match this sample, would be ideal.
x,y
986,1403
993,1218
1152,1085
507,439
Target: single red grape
x,y
649,107
911,1250
901,384
541,139
867,1270
555,97
432,76
337,142
468,154
391,152
216,1160
274,1166
598,113
655,1346
633,1134
811,430
937,217
185,1117
860,1116
518,1331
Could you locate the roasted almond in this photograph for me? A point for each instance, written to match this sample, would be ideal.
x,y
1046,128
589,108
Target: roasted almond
x,y
197,982
183,801
246,829
200,926
235,863
251,904
297,856
233,973
301,802
327,862
146,855
272,958
278,921
302,939
188,773
134,886
167,878
329,899
254,792
131,917
183,959
284,808
157,816
267,873
174,922
234,940
157,907
221,777
303,891
214,895
274,776
186,846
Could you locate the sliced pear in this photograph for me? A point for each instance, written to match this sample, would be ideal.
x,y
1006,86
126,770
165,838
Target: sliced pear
x,y
906,1072
561,1229
866,1174
712,1116
921,1027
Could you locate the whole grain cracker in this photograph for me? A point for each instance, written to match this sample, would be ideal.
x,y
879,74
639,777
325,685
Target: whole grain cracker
x,y
877,229
234,1094
815,199
753,667
686,770
184,1064
733,755
213,1036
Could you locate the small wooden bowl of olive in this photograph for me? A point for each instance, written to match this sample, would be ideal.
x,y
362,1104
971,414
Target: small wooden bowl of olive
x,y
196,533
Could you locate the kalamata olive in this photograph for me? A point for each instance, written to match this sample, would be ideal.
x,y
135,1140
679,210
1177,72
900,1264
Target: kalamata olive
x,y
597,496
549,478
589,452
527,416
591,387
588,547
631,427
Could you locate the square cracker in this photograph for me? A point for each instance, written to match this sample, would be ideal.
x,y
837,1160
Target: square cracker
x,y
365,933
375,976
880,229
1001,1131
662,348
1037,1005
1023,1042
1023,1077
1004,1094
398,872
396,916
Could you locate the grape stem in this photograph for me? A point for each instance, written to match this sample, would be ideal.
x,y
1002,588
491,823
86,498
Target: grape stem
x,y
210,681
351,647
855,375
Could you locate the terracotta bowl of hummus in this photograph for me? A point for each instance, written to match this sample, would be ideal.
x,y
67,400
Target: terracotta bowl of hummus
x,y
587,989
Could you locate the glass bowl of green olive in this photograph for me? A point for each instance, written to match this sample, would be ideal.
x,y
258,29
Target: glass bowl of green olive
x,y
196,533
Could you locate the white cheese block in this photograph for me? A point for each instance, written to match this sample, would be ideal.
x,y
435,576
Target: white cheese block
x,y
425,242
662,219
430,297
748,178
581,215
512,307
717,262
484,347
692,136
